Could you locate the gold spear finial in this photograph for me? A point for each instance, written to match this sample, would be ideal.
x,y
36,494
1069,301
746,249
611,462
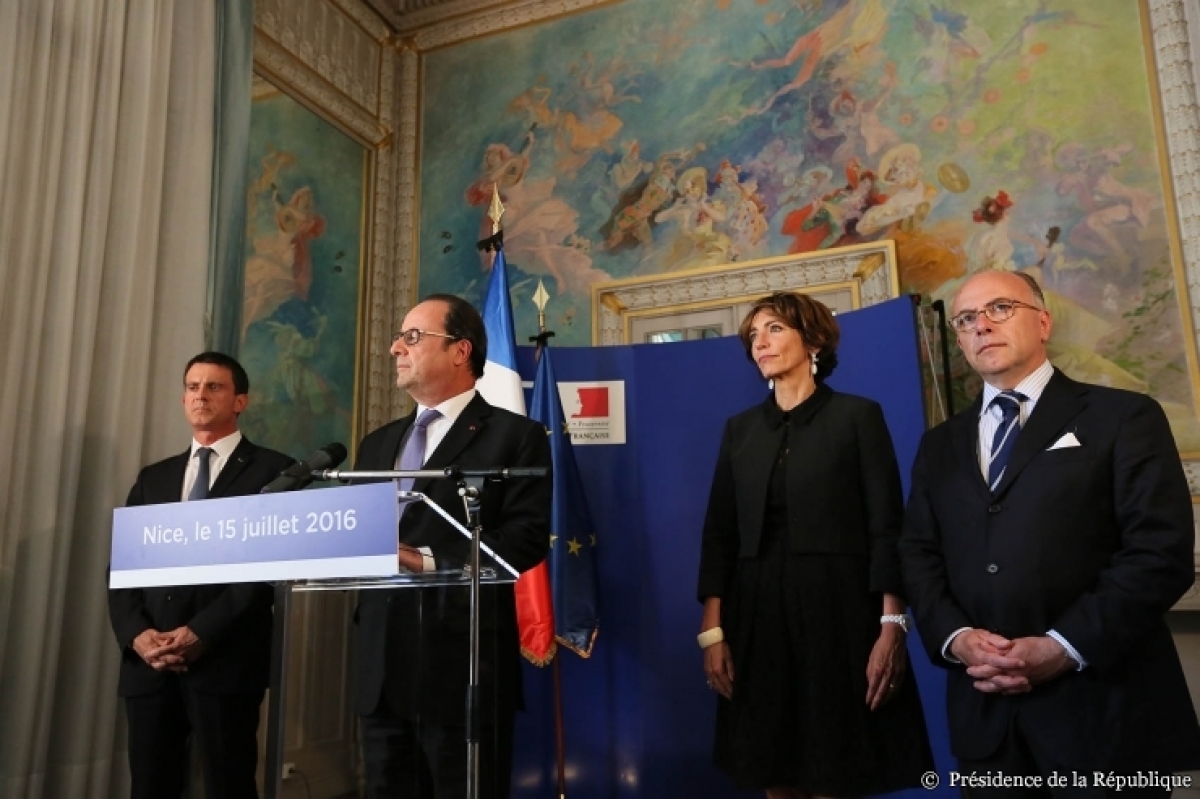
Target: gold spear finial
x,y
540,298
495,210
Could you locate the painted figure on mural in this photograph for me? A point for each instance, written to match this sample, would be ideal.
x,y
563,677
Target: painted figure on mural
x,y
540,229
856,123
856,27
777,170
694,214
281,267
1113,212
833,220
630,223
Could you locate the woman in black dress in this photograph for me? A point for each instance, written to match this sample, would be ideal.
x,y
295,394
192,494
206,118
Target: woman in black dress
x,y
804,629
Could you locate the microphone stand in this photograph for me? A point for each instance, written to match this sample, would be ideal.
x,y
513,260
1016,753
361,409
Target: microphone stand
x,y
470,488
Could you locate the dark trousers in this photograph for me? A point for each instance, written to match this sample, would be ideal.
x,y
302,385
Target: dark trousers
x,y
414,759
223,726
1033,753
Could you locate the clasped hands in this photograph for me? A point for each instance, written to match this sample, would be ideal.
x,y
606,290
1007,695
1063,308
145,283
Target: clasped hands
x,y
1003,666
169,651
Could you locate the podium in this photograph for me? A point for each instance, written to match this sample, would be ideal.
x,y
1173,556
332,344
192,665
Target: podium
x,y
450,579
329,540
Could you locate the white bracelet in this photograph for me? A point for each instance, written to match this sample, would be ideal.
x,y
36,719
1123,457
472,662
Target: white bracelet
x,y
895,618
709,637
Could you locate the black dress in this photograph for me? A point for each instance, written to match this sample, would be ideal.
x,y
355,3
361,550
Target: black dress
x,y
800,628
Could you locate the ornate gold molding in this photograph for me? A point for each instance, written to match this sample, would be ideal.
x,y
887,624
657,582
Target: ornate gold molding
x,y
491,20
402,290
408,21
870,268
330,42
366,18
289,72
378,377
1181,117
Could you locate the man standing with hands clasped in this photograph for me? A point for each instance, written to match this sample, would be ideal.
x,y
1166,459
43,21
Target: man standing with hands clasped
x,y
195,660
1048,532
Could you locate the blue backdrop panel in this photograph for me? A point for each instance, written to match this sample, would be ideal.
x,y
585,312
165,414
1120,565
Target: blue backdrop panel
x,y
638,716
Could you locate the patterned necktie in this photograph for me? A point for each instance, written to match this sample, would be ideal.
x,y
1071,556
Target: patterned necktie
x,y
413,455
1009,403
200,487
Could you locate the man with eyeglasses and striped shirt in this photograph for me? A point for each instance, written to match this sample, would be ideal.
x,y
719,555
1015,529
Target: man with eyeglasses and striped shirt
x,y
1049,530
411,644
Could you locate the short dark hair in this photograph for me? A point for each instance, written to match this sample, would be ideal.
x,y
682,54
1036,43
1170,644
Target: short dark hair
x,y
241,380
464,323
811,318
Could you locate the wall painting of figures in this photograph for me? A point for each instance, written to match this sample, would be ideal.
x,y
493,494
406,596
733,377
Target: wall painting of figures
x,y
303,275
650,136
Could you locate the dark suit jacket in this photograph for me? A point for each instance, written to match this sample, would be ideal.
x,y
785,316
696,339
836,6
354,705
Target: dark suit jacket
x,y
232,621
1094,542
412,643
841,460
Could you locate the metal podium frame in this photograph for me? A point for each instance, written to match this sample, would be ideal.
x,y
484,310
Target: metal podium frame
x,y
472,576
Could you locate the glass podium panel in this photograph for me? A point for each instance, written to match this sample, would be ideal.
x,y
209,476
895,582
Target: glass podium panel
x,y
415,630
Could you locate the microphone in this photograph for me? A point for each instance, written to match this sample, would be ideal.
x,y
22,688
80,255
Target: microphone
x,y
298,475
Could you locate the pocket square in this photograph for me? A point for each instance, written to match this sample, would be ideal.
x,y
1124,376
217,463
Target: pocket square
x,y
1068,440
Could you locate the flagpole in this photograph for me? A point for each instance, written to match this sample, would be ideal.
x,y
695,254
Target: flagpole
x,y
540,298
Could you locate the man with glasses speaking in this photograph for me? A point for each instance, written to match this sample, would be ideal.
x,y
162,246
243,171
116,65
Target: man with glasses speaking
x,y
1049,530
411,645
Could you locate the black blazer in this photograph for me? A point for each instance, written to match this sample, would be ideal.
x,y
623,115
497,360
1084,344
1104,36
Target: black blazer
x,y
1094,542
840,460
412,643
233,621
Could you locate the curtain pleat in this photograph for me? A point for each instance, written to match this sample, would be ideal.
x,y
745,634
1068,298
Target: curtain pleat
x,y
105,165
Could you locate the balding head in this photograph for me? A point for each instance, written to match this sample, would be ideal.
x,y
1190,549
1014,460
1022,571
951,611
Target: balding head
x,y
1003,353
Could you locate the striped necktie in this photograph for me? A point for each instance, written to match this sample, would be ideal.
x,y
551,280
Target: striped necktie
x,y
1005,438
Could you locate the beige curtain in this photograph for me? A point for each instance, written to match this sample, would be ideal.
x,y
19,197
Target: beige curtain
x,y
105,167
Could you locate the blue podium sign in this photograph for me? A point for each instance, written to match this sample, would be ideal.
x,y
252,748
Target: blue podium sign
x,y
302,535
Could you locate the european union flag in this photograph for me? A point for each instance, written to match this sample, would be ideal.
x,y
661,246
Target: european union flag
x,y
572,536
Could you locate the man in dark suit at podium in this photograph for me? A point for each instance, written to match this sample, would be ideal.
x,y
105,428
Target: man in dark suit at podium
x,y
195,660
411,645
1049,531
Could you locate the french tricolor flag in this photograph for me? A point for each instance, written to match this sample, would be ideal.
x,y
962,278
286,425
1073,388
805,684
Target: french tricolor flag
x,y
500,384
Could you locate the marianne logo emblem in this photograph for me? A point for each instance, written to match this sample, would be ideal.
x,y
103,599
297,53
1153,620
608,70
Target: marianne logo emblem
x,y
595,411
592,402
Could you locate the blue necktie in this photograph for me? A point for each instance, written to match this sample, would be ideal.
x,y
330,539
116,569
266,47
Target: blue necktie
x,y
1009,403
200,487
412,456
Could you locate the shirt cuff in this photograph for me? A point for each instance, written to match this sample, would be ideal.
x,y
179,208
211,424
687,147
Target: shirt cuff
x,y
428,564
1081,664
946,646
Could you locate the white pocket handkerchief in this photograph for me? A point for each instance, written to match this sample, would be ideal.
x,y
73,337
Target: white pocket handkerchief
x,y
1068,440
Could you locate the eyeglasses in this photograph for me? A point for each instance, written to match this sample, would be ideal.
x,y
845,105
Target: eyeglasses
x,y
412,336
1000,310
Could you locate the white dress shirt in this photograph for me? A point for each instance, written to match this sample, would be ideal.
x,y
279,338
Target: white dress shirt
x,y
221,451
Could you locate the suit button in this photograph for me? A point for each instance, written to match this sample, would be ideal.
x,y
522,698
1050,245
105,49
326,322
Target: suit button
x,y
993,508
992,568
168,597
